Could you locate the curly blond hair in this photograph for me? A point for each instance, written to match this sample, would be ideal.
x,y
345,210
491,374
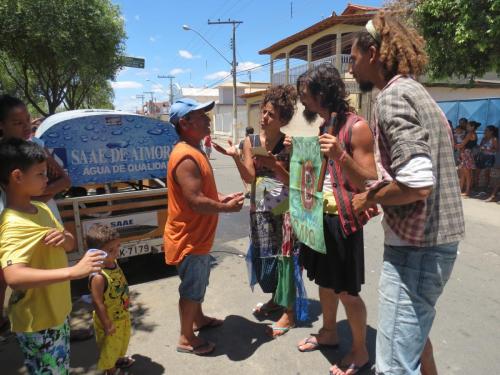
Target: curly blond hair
x,y
401,47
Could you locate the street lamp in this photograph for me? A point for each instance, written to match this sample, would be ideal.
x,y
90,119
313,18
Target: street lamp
x,y
233,72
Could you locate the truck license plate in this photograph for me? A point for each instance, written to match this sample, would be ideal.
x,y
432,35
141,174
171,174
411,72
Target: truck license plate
x,y
130,249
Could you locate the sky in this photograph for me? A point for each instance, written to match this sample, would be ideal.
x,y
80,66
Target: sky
x,y
154,32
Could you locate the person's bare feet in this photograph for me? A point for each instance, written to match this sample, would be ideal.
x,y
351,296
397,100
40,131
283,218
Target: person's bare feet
x,y
327,337
351,363
283,325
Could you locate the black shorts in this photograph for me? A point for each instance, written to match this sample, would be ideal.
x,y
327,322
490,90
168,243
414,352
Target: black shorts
x,y
342,268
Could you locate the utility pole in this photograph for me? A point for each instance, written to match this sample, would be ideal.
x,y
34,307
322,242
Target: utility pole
x,y
233,71
171,97
142,102
150,109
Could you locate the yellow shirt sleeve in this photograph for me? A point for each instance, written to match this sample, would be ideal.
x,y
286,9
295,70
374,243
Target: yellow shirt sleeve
x,y
20,236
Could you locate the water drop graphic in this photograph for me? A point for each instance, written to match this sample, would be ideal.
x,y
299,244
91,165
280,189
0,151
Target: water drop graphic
x,y
89,127
119,144
117,132
155,131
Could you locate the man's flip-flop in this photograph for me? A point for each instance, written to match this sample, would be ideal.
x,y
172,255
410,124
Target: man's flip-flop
x,y
212,323
124,362
353,367
196,349
311,340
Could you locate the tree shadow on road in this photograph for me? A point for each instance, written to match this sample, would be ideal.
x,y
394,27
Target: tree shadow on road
x,y
238,338
344,331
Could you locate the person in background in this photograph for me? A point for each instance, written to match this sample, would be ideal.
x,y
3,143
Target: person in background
x,y
207,143
487,153
110,296
467,162
15,123
458,136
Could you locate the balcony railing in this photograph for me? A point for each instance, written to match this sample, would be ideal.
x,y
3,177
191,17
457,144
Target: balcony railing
x,y
279,78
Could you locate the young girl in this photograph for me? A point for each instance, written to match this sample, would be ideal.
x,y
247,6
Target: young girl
x,y
110,296
33,246
487,154
467,157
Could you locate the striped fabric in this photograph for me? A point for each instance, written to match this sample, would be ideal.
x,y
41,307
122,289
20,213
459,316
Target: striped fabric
x,y
343,190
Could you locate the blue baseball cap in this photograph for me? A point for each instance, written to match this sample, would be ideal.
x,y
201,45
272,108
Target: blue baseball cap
x,y
184,106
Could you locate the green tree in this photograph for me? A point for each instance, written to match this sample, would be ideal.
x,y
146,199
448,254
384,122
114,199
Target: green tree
x,y
463,36
90,93
58,50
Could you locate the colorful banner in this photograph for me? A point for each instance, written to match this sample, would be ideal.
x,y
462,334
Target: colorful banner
x,y
306,204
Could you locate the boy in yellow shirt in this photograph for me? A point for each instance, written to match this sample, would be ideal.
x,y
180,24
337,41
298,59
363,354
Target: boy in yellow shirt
x,y
33,248
110,296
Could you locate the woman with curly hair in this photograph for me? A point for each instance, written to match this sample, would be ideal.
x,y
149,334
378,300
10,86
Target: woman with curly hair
x,y
419,193
265,165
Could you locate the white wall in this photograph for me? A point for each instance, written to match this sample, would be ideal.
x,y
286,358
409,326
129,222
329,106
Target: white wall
x,y
223,119
226,95
449,93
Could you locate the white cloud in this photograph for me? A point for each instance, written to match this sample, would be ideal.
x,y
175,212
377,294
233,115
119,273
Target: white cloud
x,y
177,71
187,55
137,17
142,73
152,39
126,85
157,88
217,75
246,65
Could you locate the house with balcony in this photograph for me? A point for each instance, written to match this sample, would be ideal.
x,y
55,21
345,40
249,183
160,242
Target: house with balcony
x,y
327,41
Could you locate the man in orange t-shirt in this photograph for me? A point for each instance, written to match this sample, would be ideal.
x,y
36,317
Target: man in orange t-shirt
x,y
193,207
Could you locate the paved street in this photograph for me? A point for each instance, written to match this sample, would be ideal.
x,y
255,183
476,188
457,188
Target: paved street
x,y
466,333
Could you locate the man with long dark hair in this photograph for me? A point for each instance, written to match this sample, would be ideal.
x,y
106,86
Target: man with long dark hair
x,y
340,272
423,218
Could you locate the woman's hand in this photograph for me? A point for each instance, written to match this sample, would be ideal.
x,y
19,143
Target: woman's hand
x,y
288,143
230,151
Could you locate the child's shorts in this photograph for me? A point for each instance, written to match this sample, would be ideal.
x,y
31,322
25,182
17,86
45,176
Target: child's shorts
x,y
194,271
113,347
46,351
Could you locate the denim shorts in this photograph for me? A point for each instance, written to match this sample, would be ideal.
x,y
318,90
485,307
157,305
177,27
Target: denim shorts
x,y
194,271
411,282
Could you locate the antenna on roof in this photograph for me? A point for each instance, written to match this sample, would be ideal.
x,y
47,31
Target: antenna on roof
x,y
291,9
